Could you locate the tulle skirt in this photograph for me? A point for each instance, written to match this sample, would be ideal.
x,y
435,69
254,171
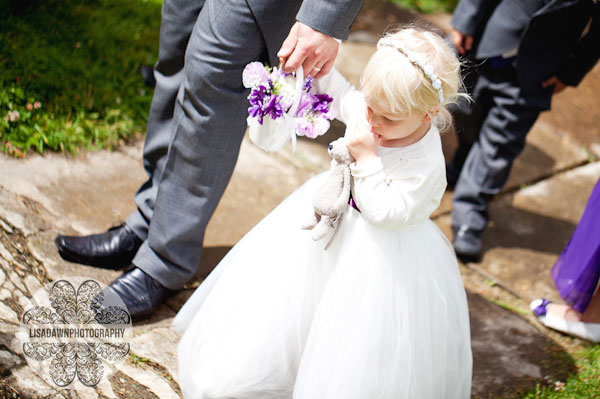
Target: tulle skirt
x,y
379,314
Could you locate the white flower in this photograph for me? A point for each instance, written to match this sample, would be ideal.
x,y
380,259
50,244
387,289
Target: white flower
x,y
13,116
287,90
559,386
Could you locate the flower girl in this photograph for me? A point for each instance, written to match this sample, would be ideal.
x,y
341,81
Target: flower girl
x,y
382,313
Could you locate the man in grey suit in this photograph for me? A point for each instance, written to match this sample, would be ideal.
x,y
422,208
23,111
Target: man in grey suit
x,y
195,127
525,52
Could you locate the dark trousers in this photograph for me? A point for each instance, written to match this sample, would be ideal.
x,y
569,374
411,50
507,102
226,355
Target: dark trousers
x,y
491,133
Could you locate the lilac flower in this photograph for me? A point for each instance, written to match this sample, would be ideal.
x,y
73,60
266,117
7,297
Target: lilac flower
x,y
320,126
254,74
275,74
303,105
304,127
278,73
311,126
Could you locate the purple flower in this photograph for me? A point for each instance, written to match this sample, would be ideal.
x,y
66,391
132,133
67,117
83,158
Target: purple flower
x,y
321,103
273,107
257,95
257,98
255,111
254,74
307,83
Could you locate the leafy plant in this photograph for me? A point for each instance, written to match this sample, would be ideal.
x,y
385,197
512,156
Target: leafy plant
x,y
68,73
427,6
584,384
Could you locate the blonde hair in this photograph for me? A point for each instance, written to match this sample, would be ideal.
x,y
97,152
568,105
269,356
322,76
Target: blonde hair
x,y
392,84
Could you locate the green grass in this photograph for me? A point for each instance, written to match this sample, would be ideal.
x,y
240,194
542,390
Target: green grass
x,y
427,6
584,384
69,72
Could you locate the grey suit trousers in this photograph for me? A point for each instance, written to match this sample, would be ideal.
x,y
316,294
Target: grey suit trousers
x,y
196,124
492,133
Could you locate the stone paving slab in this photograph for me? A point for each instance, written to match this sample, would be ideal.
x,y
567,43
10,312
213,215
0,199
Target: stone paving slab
x,y
546,152
55,182
530,227
575,112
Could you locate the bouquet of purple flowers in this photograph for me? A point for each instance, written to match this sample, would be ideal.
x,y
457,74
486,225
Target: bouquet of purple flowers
x,y
283,106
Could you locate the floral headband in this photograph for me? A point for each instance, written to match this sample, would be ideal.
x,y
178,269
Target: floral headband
x,y
427,69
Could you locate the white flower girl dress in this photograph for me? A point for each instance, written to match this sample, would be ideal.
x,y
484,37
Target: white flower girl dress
x,y
380,314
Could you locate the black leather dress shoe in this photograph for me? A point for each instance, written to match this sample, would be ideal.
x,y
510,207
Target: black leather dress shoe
x,y
113,249
140,293
467,244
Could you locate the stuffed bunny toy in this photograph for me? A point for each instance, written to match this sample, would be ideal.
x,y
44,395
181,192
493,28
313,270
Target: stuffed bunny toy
x,y
331,201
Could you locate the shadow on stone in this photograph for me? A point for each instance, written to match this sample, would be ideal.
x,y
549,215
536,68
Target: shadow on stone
x,y
518,228
510,355
533,164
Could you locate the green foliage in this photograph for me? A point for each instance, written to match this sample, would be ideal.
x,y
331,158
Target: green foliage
x,y
584,384
69,73
427,6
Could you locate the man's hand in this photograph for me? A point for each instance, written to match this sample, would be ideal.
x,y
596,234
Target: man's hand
x,y
554,81
461,42
314,50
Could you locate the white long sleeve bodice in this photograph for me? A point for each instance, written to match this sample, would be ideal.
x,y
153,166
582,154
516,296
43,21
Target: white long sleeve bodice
x,y
403,185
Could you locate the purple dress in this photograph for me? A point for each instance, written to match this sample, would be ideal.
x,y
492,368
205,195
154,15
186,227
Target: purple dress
x,y
577,269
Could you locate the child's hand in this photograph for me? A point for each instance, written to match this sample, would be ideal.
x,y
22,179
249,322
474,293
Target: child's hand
x,y
363,145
